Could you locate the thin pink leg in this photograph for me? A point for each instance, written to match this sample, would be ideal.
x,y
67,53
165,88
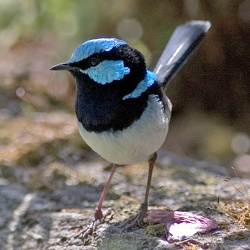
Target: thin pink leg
x,y
144,206
138,220
98,211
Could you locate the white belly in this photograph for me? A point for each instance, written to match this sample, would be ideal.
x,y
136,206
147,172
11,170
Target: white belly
x,y
136,143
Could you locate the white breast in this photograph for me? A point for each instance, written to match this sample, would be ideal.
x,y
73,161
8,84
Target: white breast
x,y
136,143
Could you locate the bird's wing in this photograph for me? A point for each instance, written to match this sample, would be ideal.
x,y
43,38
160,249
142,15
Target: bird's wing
x,y
182,43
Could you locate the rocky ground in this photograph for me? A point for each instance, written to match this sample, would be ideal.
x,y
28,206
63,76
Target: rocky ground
x,y
50,183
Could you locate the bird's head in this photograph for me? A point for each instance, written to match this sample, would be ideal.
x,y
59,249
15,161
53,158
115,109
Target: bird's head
x,y
105,61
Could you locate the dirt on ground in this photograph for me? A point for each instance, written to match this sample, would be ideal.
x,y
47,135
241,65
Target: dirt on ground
x,y
50,183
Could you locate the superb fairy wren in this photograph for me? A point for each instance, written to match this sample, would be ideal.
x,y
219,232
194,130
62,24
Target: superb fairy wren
x,y
121,107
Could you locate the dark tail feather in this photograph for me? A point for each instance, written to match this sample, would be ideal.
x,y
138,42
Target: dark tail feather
x,y
182,43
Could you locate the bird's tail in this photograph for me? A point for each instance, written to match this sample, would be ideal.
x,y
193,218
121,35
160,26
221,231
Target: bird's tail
x,y
180,47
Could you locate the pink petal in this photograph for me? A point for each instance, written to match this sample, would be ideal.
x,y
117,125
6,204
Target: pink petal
x,y
180,224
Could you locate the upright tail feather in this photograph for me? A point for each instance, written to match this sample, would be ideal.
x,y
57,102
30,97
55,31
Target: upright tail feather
x,y
182,43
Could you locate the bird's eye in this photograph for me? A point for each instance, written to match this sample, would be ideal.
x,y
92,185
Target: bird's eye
x,y
93,61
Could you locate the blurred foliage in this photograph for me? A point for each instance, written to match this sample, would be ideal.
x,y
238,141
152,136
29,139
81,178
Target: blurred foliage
x,y
212,90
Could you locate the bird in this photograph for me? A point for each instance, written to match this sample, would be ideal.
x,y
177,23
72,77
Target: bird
x,y
122,110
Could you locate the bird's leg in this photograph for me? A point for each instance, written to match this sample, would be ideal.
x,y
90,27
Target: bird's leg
x,y
99,217
144,206
98,210
138,219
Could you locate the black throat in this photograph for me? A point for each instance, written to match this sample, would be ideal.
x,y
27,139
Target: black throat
x,y
100,107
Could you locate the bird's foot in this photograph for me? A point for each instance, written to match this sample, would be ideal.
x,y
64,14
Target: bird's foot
x,y
138,219
99,218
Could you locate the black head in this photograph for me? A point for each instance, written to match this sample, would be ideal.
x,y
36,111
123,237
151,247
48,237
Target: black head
x,y
107,63
112,82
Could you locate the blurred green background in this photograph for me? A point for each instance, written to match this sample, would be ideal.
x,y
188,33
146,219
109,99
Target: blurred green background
x,y
210,96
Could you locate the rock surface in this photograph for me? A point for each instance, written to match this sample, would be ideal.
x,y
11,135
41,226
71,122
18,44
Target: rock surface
x,y
48,192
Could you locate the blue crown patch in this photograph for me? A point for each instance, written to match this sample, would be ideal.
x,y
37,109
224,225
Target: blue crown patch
x,y
93,46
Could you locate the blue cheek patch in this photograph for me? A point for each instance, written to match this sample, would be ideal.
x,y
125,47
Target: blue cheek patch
x,y
142,86
107,71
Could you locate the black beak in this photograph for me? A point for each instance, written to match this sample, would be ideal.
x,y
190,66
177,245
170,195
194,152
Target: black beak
x,y
62,66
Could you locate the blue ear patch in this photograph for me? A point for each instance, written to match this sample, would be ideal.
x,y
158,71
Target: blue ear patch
x,y
107,71
142,85
93,46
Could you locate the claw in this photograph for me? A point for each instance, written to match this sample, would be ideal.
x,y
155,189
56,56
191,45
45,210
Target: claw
x,y
138,219
91,228
86,232
141,214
